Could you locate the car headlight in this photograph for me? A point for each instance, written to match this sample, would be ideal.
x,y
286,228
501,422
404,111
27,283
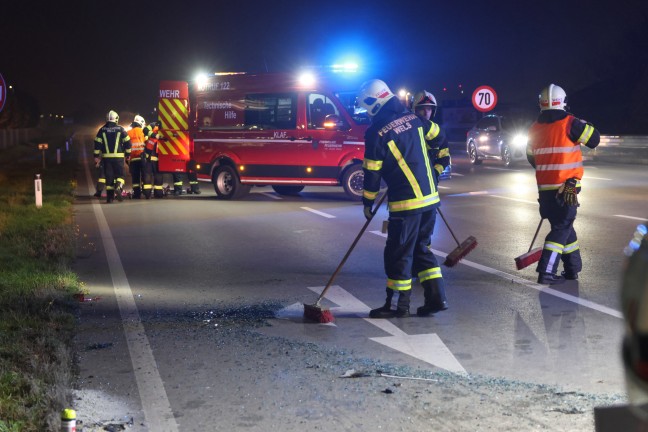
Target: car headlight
x,y
520,140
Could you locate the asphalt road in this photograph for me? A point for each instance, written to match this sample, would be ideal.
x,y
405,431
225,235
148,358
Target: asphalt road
x,y
155,268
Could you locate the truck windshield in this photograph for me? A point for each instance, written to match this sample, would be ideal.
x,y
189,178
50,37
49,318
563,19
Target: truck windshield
x,y
348,100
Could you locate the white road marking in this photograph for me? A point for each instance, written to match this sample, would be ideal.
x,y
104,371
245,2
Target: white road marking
x,y
470,193
155,403
515,199
426,347
326,215
535,286
595,178
457,174
644,219
503,169
443,187
271,195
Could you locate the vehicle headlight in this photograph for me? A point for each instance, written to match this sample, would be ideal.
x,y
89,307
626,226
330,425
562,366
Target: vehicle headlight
x,y
520,140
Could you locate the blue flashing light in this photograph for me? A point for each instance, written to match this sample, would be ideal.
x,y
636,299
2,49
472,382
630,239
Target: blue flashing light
x,y
345,68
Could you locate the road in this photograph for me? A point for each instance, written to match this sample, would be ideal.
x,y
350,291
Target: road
x,y
173,282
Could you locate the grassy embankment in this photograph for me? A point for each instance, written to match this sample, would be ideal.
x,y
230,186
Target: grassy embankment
x,y
37,319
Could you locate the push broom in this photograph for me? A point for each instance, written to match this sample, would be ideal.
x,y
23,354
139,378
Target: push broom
x,y
531,256
315,312
461,250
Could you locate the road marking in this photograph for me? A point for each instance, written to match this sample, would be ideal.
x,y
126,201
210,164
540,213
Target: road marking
x,y
596,178
503,169
632,217
326,215
426,347
515,199
535,286
457,174
469,193
155,402
271,195
443,187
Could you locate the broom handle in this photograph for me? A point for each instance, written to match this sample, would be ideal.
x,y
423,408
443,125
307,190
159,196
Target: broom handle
x,y
536,234
339,267
448,225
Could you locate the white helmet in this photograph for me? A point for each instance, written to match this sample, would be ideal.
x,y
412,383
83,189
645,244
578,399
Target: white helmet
x,y
139,120
112,116
373,95
424,98
552,97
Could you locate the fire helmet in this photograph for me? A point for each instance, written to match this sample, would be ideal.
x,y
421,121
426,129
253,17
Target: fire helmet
x,y
552,97
112,116
139,120
373,95
424,98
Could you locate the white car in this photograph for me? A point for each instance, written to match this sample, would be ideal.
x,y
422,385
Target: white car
x,y
497,137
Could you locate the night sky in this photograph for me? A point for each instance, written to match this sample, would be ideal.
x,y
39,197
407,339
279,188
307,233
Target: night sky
x,y
101,55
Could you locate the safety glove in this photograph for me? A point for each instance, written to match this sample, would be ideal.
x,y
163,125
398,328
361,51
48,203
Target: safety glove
x,y
367,212
569,192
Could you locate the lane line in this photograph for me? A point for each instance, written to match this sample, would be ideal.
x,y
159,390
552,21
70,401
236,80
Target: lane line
x,y
469,193
596,178
542,288
632,217
155,402
515,199
271,195
457,174
317,212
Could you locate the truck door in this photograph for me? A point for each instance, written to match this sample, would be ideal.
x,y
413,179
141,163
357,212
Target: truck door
x,y
174,147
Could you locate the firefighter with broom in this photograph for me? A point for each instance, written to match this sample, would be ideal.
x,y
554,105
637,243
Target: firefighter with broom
x,y
396,152
554,150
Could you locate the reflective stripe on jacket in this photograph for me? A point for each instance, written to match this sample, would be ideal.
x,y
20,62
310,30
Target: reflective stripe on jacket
x,y
557,158
396,151
111,141
137,142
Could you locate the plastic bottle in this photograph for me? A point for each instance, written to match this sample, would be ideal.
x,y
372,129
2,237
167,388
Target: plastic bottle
x,y
68,420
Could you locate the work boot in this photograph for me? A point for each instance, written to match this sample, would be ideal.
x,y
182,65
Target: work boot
x,y
385,310
550,279
147,194
177,191
195,189
435,298
403,304
97,194
119,193
110,196
137,193
569,275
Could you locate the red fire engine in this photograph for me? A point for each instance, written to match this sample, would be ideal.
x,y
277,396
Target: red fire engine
x,y
238,130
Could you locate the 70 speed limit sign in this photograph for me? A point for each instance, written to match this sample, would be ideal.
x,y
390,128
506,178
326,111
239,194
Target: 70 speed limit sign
x,y
484,98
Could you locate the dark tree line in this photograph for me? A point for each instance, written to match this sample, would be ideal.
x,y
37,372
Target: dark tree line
x,y
20,111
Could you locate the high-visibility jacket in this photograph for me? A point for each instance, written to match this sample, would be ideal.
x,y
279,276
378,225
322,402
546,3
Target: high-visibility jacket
x,y
396,151
151,145
111,141
136,135
554,150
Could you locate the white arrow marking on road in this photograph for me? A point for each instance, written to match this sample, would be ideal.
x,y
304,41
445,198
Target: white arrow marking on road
x,y
426,347
317,212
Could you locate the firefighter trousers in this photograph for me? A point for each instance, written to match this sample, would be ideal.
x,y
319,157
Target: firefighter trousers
x,y
114,171
561,244
407,251
153,180
137,175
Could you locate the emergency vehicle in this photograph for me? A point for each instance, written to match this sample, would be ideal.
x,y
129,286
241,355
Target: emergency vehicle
x,y
239,130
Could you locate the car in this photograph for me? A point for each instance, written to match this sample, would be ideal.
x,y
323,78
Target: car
x,y
498,137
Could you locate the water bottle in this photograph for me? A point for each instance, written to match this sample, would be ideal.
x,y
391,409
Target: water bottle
x,y
68,420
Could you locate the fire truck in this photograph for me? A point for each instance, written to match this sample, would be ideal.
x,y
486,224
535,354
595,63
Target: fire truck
x,y
239,130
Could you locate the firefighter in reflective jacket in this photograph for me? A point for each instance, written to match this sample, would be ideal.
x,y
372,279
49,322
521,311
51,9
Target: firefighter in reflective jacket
x,y
554,151
110,146
396,151
134,156
153,179
424,105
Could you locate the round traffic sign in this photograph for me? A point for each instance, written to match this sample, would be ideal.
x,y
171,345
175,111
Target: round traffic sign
x,y
3,92
484,98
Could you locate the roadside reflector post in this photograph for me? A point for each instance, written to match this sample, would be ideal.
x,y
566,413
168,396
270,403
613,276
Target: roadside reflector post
x,y
42,147
58,156
38,190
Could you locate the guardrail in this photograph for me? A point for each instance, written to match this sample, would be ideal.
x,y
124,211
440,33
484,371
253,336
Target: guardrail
x,y
629,149
12,137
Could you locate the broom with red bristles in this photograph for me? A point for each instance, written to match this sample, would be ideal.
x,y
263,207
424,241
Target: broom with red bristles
x,y
315,312
531,256
461,250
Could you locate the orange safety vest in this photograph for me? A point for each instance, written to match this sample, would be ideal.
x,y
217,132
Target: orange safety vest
x,y
557,158
137,142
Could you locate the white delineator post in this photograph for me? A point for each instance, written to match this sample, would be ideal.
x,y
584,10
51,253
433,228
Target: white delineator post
x,y
38,190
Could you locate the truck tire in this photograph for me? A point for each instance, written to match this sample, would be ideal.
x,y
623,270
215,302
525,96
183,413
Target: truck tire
x,y
353,182
227,184
288,190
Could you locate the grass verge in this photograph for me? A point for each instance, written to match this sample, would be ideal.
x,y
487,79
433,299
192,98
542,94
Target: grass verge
x,y
37,246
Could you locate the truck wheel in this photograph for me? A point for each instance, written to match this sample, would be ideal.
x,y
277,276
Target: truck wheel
x,y
227,184
288,190
353,182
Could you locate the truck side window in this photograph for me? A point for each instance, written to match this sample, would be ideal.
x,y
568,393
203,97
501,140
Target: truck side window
x,y
271,111
319,106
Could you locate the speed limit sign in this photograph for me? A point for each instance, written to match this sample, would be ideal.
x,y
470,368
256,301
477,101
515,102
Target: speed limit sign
x,y
484,98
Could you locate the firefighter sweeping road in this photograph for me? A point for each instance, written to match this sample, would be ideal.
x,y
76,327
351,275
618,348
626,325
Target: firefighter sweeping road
x,y
200,311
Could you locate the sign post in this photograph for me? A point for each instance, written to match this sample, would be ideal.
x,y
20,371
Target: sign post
x,y
43,147
484,98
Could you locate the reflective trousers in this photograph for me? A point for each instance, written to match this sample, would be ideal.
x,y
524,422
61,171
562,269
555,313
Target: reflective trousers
x,y
561,244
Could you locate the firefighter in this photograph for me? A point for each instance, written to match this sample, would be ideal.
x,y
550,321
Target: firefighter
x,y
134,157
110,146
153,179
395,151
424,105
554,151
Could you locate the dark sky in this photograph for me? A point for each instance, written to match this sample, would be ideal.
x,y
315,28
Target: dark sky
x,y
71,55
